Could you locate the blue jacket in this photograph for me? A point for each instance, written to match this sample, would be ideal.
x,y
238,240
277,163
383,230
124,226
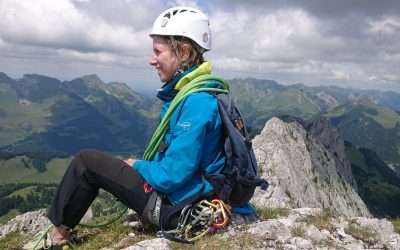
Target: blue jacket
x,y
193,139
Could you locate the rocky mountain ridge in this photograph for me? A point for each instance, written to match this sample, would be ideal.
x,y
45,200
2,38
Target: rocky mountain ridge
x,y
302,172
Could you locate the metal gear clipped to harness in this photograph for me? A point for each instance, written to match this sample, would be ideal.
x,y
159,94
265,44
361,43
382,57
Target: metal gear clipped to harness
x,y
198,220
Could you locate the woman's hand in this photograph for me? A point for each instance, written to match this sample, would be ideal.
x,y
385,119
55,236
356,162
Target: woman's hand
x,y
130,162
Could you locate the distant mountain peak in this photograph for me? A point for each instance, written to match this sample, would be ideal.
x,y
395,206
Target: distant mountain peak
x,y
366,100
4,78
93,80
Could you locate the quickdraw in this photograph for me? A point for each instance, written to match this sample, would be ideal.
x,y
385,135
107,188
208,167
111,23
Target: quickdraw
x,y
200,219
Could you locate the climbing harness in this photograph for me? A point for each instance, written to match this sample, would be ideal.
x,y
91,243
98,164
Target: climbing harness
x,y
198,220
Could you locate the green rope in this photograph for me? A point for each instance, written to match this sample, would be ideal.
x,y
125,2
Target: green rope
x,y
117,217
196,85
43,233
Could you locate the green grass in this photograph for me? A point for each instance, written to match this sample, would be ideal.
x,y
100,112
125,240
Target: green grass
x,y
107,236
298,231
337,111
243,241
13,171
7,217
267,213
21,120
396,225
386,117
325,243
11,241
293,102
322,221
361,233
89,238
356,157
23,192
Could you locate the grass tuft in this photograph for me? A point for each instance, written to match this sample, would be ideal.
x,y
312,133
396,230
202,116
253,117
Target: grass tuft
x,y
97,238
361,233
11,241
322,221
396,225
298,231
325,243
246,241
267,213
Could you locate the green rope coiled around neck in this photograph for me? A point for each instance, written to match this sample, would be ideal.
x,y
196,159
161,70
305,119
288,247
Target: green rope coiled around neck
x,y
196,85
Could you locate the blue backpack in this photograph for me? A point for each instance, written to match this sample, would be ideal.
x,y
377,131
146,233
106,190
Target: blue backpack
x,y
236,183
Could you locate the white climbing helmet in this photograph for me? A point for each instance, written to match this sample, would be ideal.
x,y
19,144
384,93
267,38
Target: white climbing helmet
x,y
184,21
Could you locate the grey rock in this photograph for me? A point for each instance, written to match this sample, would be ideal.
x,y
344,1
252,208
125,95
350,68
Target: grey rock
x,y
321,130
134,224
301,243
302,172
159,243
29,223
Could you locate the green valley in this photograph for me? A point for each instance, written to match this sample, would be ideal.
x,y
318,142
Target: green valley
x,y
44,122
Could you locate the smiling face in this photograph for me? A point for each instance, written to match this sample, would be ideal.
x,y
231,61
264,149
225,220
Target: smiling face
x,y
164,59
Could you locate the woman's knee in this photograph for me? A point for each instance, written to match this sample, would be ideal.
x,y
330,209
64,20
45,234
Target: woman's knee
x,y
98,161
89,155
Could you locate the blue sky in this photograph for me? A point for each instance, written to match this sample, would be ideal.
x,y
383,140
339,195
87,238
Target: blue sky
x,y
350,43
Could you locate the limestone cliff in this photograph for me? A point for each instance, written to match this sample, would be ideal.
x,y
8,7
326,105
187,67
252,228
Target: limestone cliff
x,y
302,172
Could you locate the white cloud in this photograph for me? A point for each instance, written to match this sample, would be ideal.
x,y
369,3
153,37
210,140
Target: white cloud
x,y
99,57
59,24
340,74
281,40
289,36
387,25
3,44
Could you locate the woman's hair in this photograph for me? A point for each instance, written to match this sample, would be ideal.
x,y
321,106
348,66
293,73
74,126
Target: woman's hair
x,y
195,51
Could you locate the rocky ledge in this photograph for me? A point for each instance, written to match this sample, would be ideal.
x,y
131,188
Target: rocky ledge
x,y
300,228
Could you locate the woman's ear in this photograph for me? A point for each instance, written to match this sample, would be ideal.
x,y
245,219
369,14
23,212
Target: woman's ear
x,y
185,52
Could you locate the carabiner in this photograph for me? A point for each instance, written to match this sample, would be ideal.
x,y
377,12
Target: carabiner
x,y
223,218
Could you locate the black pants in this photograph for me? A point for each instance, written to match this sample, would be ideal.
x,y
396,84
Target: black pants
x,y
89,171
